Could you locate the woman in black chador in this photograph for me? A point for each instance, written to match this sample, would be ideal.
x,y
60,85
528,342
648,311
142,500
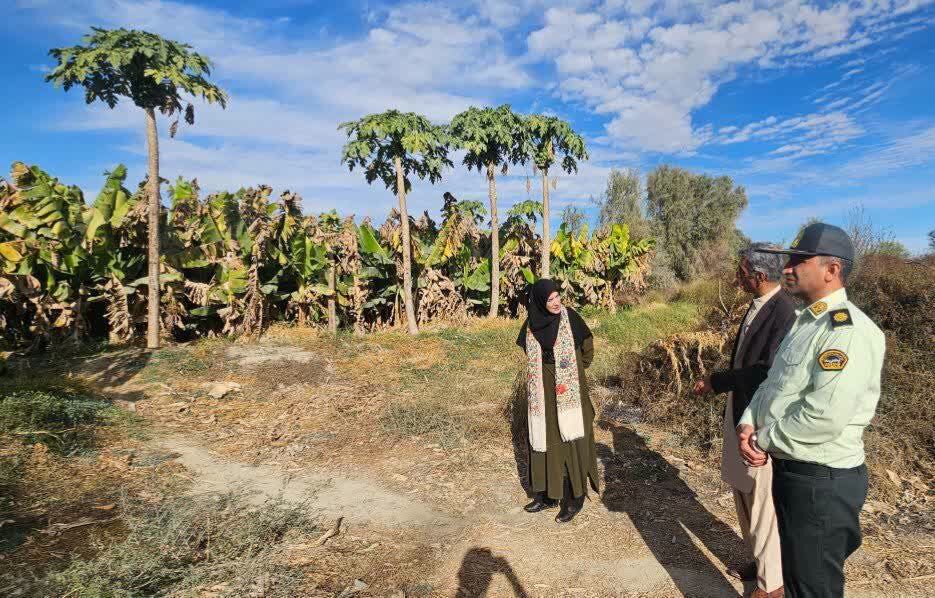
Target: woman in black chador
x,y
559,346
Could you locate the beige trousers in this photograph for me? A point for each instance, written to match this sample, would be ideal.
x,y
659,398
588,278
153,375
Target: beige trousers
x,y
753,498
757,518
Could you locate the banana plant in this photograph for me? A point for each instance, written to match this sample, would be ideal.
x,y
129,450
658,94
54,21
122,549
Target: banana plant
x,y
521,252
116,229
233,262
378,273
46,218
458,256
622,261
572,263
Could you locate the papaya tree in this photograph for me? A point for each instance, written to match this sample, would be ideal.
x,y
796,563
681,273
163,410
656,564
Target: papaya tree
x,y
493,139
551,138
393,146
153,73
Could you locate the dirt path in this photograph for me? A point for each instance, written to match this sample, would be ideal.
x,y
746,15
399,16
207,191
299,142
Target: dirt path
x,y
428,521
491,553
492,549
332,495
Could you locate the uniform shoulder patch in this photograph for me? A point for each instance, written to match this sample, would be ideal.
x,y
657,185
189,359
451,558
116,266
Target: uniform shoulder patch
x,y
832,360
841,317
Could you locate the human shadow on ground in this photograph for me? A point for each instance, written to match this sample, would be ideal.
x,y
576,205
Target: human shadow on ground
x,y
477,570
515,414
641,483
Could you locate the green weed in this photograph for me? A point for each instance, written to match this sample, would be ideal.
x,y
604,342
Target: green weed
x,y
61,419
186,545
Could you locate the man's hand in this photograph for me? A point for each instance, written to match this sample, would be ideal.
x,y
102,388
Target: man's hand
x,y
752,455
702,387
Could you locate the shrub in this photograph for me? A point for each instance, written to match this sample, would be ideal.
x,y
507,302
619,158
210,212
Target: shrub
x,y
190,545
897,294
61,419
661,275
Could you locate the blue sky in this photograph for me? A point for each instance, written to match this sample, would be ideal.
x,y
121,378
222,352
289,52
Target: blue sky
x,y
815,108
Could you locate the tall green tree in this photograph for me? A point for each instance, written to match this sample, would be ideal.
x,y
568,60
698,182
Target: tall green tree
x,y
893,248
574,219
153,73
493,139
548,139
392,146
694,216
622,202
932,240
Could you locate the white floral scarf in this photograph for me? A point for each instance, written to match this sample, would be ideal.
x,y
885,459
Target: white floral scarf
x,y
567,387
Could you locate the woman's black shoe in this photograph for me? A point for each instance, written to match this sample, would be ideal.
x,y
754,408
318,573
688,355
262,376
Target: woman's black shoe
x,y
569,509
540,504
566,515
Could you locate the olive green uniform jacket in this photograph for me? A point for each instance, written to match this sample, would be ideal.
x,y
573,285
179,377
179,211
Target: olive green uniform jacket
x,y
577,458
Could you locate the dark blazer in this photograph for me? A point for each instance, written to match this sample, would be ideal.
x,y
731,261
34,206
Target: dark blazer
x,y
769,327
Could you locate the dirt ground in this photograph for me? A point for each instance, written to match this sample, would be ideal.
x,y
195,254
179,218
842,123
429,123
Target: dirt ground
x,y
426,515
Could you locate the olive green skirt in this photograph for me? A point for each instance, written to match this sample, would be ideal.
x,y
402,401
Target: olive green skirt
x,y
576,459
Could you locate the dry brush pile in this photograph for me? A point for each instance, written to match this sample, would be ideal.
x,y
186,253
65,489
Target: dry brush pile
x,y
232,263
659,380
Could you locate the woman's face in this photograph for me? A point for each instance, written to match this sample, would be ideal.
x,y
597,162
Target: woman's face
x,y
554,304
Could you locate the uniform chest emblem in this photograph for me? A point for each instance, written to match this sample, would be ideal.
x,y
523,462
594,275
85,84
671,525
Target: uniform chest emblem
x,y
832,360
818,308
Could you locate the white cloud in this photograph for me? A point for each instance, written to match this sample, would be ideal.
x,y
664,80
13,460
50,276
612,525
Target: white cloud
x,y
903,152
812,132
650,70
645,67
419,57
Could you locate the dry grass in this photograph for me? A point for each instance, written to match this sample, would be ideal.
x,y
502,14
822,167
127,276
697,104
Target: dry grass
x,y
55,504
203,546
900,444
898,295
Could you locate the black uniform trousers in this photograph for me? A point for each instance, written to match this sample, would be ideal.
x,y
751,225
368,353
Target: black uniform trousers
x,y
818,512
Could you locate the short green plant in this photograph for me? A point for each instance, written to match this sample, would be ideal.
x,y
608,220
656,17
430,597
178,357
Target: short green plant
x,y
190,542
63,420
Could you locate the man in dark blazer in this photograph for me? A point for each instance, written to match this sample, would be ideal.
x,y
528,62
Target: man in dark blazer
x,y
768,319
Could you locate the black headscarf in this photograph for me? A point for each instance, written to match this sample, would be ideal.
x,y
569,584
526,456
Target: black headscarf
x,y
544,324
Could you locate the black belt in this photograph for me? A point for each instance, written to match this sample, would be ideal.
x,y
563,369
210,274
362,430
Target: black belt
x,y
815,470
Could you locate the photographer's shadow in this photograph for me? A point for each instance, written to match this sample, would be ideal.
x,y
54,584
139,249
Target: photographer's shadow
x,y
477,570
641,483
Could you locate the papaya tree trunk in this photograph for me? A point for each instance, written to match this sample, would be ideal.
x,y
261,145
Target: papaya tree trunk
x,y
407,249
152,313
494,243
546,225
332,305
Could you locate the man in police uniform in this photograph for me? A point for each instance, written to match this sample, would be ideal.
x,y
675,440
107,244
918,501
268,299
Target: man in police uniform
x,y
810,413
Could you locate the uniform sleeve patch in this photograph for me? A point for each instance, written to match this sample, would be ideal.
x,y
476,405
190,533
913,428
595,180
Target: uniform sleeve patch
x,y
832,360
841,317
